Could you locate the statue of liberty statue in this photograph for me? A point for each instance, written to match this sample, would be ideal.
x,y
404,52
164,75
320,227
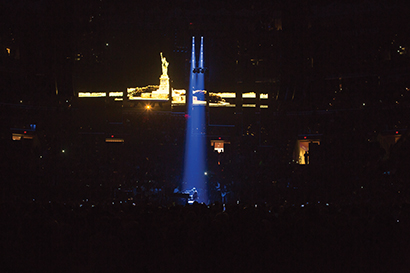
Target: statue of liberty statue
x,y
164,65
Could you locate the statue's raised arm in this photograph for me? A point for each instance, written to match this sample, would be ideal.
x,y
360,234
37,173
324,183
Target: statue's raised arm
x,y
164,65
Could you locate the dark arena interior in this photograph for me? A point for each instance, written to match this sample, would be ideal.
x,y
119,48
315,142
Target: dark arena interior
x,y
305,109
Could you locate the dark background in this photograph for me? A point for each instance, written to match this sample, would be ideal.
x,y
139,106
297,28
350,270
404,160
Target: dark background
x,y
292,50
337,71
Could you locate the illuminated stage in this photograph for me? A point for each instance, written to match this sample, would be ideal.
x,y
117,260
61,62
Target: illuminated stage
x,y
162,98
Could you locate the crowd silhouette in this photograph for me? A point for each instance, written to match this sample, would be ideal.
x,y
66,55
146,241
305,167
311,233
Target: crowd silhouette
x,y
103,207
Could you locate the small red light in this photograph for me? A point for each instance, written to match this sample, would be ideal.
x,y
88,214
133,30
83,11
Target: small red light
x,y
219,137
397,132
112,135
304,137
25,132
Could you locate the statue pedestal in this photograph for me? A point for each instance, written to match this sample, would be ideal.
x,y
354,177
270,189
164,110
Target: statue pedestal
x,y
164,84
163,91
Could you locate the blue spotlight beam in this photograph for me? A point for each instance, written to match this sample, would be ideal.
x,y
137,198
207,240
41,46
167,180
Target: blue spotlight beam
x,y
195,167
192,78
200,85
201,54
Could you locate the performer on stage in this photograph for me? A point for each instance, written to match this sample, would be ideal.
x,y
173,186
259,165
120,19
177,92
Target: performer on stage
x,y
195,195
